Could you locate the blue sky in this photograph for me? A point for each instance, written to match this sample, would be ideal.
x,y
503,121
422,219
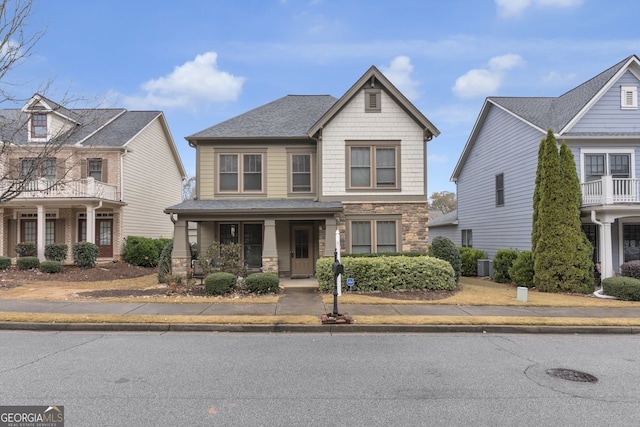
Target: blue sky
x,y
204,61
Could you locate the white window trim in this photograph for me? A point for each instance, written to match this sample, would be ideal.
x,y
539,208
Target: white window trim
x,y
30,136
624,91
606,152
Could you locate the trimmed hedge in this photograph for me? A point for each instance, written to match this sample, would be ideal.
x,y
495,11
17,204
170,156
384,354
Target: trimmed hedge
x,y
262,283
26,249
219,283
502,263
143,251
469,261
388,273
624,288
631,269
85,254
51,266
5,262
27,263
521,271
379,254
56,252
444,248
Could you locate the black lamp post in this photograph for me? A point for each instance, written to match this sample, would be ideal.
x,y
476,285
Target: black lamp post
x,y
338,269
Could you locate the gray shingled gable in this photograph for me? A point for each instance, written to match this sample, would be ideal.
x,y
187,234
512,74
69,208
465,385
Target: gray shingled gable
x,y
289,116
450,218
556,113
110,127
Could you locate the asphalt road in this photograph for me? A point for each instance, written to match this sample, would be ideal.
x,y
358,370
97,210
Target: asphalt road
x,y
220,379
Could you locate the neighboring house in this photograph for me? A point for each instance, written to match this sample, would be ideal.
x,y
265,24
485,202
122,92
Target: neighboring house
x,y
282,178
495,175
106,174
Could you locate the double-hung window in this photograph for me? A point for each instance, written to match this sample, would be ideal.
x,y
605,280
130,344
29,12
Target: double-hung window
x,y
38,168
38,126
368,236
596,165
467,238
240,173
373,166
300,167
94,169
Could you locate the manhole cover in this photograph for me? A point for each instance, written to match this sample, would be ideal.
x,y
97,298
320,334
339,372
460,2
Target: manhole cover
x,y
571,375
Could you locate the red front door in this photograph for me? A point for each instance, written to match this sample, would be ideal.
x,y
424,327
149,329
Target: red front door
x,y
104,237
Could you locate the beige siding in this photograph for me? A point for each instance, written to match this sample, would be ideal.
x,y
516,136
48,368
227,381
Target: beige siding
x,y
152,182
277,171
205,172
393,123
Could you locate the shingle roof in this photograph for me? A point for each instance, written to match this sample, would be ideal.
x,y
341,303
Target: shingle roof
x,y
112,127
258,205
289,116
450,218
556,113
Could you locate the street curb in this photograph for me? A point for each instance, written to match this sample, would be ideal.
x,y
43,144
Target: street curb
x,y
286,328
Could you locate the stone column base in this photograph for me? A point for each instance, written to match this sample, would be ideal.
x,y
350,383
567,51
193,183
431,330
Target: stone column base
x,y
180,267
270,264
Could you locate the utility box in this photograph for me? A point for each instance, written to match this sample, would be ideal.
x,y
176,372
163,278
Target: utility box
x,y
484,267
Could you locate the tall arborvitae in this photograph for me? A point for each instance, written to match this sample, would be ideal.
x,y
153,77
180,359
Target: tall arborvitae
x,y
562,261
535,231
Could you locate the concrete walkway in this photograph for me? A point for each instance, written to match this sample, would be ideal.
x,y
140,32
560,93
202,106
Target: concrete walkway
x,y
301,298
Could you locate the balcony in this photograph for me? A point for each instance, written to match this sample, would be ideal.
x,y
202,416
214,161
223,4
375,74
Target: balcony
x,y
84,188
610,191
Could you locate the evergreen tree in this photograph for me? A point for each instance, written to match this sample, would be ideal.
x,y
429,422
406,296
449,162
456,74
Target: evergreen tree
x,y
562,260
535,231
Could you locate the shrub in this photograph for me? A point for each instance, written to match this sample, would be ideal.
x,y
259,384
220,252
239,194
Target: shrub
x,y
631,269
262,283
27,263
219,283
225,257
5,262
85,254
51,267
521,271
26,249
443,248
388,273
502,263
141,251
469,261
56,252
164,262
379,254
624,288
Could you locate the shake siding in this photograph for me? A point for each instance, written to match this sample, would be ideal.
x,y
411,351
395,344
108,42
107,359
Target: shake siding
x,y
509,146
352,123
607,116
152,182
205,171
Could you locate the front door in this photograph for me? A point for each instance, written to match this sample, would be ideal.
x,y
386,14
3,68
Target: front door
x,y
302,250
104,237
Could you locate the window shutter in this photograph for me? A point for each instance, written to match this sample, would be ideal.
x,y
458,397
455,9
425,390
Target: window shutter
x,y
60,169
14,169
60,230
83,168
105,177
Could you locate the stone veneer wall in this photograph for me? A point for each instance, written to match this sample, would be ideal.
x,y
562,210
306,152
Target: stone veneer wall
x,y
415,233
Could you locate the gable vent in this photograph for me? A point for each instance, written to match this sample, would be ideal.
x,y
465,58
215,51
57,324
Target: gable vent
x,y
372,100
629,97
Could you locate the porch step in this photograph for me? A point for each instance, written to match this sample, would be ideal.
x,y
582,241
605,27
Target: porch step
x,y
300,289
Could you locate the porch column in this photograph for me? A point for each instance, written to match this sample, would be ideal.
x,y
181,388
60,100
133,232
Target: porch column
x,y
330,241
2,233
41,227
91,224
270,247
606,255
607,189
181,254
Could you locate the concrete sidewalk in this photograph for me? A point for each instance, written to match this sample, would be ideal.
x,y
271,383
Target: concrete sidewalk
x,y
300,298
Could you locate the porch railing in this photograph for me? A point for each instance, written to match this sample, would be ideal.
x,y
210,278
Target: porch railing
x,y
43,188
609,191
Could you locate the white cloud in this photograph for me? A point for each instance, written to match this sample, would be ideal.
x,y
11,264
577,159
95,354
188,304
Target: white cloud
x,y
554,77
192,83
399,73
483,82
515,8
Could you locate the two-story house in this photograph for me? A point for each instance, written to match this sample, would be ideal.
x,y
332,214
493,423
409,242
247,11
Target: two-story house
x,y
495,175
95,175
282,178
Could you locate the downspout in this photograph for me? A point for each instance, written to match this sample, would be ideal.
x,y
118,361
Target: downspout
x,y
599,293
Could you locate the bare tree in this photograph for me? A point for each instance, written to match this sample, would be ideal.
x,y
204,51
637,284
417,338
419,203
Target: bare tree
x,y
18,130
189,188
443,201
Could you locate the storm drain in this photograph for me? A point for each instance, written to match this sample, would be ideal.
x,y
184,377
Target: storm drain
x,y
571,375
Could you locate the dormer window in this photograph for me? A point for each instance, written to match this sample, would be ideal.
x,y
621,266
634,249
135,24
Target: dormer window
x,y
372,101
39,126
629,97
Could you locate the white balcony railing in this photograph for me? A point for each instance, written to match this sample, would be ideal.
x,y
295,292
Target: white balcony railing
x,y
43,188
609,191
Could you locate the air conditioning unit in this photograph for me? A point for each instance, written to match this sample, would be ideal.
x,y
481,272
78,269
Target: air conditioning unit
x,y
484,267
